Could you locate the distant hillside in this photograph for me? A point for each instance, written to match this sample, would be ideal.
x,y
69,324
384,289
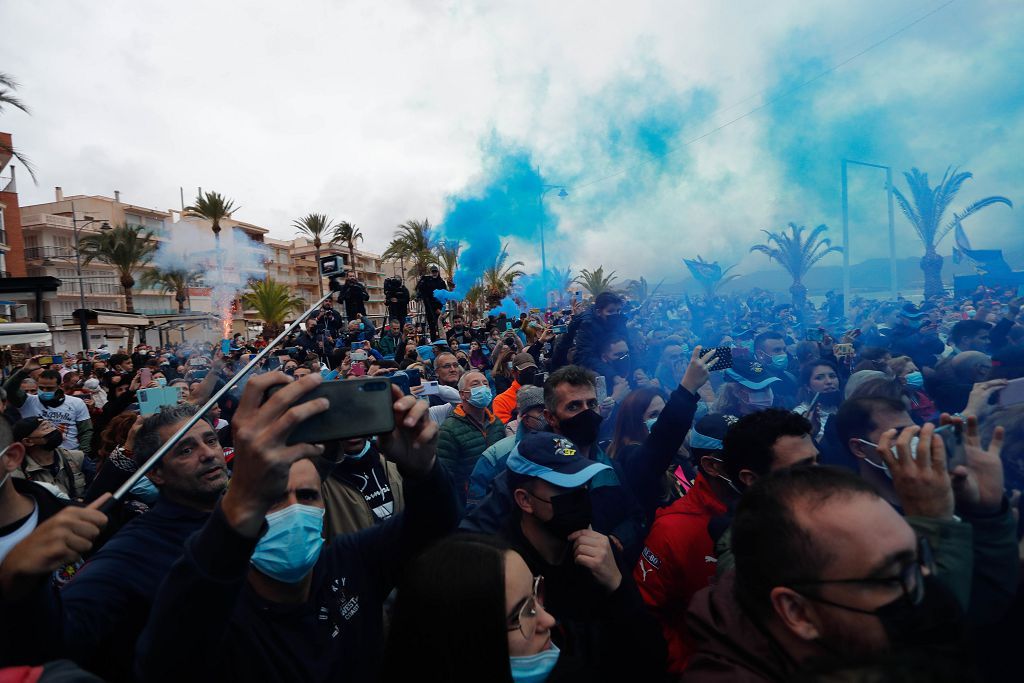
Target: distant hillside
x,y
866,277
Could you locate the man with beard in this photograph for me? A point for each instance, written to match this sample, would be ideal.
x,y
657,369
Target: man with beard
x,y
68,413
824,567
97,616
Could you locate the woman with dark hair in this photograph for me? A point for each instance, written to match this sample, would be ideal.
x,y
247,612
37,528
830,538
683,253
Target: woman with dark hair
x,y
470,610
922,407
477,359
819,394
636,415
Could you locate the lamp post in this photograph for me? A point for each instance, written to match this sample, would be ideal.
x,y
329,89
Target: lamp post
x,y
563,193
83,324
894,285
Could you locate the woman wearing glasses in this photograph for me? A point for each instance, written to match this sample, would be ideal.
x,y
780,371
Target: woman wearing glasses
x,y
470,610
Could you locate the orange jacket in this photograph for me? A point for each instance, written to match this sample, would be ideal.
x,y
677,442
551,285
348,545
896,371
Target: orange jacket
x,y
505,402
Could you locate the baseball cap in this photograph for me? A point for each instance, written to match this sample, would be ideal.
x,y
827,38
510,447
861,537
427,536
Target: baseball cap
x,y
750,374
554,459
529,397
22,428
523,360
709,432
912,312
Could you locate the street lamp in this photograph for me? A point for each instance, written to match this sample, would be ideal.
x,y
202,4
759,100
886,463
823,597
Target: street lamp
x,y
846,233
563,193
83,324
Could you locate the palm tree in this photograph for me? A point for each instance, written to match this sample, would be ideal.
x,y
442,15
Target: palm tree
x,y
447,253
474,296
560,280
315,226
129,249
595,281
797,255
348,234
498,278
178,281
411,241
713,284
638,290
214,207
273,302
7,99
926,212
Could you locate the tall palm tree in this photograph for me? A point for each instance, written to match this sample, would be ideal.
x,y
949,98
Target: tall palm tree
x,y
214,207
315,226
178,281
638,290
596,281
498,278
411,242
129,249
7,99
925,214
348,234
797,255
273,302
447,253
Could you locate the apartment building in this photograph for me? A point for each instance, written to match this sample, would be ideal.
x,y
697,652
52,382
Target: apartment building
x,y
12,257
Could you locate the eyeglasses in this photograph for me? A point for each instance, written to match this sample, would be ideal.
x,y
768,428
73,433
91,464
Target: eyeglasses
x,y
910,580
621,356
448,366
526,618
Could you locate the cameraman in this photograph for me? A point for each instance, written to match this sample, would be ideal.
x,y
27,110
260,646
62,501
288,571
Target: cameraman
x,y
396,297
329,323
354,295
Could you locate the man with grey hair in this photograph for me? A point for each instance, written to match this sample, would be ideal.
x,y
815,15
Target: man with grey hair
x,y
469,430
97,616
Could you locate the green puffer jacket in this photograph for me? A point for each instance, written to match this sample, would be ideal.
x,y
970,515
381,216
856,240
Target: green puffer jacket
x,y
460,443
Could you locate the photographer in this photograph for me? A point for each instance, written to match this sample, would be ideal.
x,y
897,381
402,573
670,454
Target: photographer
x,y
261,555
396,298
329,322
354,295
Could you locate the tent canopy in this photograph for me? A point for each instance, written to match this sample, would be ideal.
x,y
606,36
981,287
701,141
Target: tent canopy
x,y
25,333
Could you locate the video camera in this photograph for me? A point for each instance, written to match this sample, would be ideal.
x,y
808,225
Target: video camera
x,y
332,266
392,284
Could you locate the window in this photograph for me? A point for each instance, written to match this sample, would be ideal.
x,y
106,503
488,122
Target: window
x,y
1,218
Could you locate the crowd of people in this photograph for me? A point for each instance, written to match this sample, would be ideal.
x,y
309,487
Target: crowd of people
x,y
726,489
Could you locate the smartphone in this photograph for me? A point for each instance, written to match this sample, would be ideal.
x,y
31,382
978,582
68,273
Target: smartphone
x,y
559,329
429,389
359,354
815,335
152,400
508,326
49,360
401,379
86,368
539,379
414,377
602,388
952,436
145,377
273,363
199,374
358,407
357,345
292,350
358,369
722,359
843,350
1012,393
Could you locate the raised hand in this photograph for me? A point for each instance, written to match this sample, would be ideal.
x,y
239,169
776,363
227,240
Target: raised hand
x,y
697,372
978,485
922,482
262,456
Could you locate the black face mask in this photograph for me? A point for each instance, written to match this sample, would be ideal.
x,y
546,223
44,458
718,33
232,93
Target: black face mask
x,y
526,376
52,441
582,427
621,366
936,622
571,512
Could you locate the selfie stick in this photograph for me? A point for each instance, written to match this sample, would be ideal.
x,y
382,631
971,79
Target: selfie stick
x,y
231,382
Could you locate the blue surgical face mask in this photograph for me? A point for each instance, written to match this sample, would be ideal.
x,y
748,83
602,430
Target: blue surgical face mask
x,y
292,543
650,423
47,395
534,668
145,491
780,360
361,454
480,397
914,380
161,381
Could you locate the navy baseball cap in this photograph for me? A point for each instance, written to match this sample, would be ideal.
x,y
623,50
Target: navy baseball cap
x,y
554,459
751,374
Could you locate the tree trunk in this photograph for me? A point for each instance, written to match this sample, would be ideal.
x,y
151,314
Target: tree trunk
x,y
181,298
129,305
799,294
931,264
352,260
319,278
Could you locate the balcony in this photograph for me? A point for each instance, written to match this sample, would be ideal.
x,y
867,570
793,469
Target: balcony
x,y
46,220
40,253
101,288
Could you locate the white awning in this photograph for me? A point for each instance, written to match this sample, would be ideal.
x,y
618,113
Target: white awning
x,y
25,333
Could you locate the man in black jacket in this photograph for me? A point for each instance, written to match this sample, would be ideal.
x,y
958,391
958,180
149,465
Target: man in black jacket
x,y
396,297
354,295
257,594
425,288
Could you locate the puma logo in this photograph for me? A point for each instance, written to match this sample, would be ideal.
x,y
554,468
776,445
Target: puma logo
x,y
708,558
644,572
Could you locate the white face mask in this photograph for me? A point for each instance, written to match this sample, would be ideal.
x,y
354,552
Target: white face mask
x,y
882,466
761,399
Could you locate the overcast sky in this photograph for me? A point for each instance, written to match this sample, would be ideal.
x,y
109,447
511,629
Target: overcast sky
x,y
376,112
